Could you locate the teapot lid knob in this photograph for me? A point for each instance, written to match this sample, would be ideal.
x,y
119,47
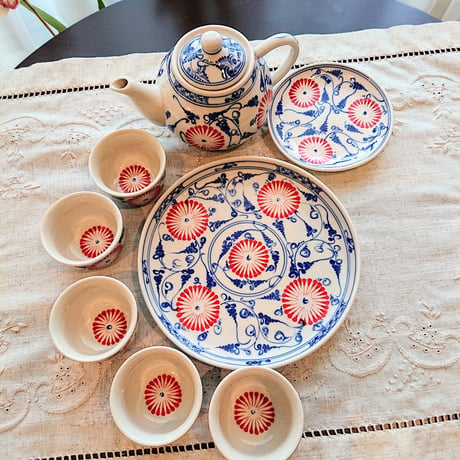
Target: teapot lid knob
x,y
211,42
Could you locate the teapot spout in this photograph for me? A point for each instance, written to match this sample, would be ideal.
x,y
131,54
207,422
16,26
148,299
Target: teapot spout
x,y
147,98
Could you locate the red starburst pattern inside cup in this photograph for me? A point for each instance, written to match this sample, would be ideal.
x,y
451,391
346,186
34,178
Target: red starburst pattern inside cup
x,y
163,395
305,301
96,240
254,412
134,178
110,326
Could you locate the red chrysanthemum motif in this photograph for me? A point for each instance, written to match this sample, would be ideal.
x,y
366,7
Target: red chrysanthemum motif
x,y
163,395
134,178
205,137
248,258
315,150
364,113
110,326
187,220
197,308
254,412
304,92
305,301
96,240
263,107
278,199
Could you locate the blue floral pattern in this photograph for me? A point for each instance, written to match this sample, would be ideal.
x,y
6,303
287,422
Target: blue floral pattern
x,y
201,68
315,240
329,117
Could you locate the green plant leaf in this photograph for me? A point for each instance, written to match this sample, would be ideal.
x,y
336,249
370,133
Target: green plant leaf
x,y
50,20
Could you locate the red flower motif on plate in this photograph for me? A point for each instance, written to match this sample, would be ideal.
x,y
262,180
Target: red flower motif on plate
x,y
254,412
110,326
278,199
96,240
305,301
263,107
364,113
134,178
187,220
163,395
304,92
205,137
248,258
315,150
197,308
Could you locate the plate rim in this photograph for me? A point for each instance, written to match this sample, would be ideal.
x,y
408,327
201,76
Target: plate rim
x,y
321,168
238,159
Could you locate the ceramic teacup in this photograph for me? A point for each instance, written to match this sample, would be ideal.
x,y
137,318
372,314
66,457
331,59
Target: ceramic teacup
x,y
255,412
93,319
129,165
83,230
156,396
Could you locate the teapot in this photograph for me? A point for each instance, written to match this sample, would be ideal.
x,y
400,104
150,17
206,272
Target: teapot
x,y
213,89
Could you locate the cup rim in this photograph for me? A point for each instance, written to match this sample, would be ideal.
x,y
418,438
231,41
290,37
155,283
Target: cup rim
x,y
121,374
59,303
90,261
127,195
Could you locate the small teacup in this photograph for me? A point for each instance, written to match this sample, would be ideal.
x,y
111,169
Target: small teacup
x,y
156,396
129,165
255,412
93,319
83,230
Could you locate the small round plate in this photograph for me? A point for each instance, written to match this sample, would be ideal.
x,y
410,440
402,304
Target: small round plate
x,y
329,117
248,261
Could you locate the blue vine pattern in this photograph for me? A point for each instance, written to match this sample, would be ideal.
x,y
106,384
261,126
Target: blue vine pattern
x,y
252,329
328,117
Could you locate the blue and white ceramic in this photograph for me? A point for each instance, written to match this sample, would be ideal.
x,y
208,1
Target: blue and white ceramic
x,y
330,117
213,89
248,262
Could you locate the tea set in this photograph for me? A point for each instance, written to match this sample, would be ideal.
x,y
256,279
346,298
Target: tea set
x,y
245,263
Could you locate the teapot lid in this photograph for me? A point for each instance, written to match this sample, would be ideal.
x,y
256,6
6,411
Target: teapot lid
x,y
213,57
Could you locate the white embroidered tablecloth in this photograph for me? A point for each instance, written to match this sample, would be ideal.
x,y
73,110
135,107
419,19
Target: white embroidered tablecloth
x,y
385,386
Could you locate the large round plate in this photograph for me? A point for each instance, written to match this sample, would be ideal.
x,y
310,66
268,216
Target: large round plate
x,y
329,117
248,261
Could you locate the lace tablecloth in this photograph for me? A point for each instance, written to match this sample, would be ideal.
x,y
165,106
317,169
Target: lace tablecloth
x,y
386,385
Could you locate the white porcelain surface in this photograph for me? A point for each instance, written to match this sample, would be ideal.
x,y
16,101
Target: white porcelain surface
x,y
248,261
156,396
129,165
83,230
93,319
255,412
330,117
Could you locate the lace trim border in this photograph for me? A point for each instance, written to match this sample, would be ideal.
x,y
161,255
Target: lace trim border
x,y
305,435
297,66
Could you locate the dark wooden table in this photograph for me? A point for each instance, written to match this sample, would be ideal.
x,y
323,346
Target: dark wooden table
x,y
132,26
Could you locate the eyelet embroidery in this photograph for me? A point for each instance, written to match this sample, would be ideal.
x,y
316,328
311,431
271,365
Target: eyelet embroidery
x,y
423,346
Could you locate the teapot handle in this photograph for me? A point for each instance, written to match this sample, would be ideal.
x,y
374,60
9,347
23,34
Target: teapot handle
x,y
276,41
